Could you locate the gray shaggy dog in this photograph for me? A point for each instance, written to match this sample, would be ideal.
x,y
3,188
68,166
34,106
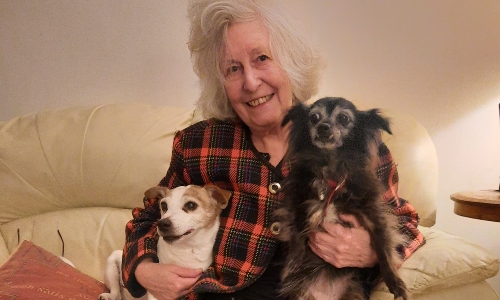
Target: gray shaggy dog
x,y
332,147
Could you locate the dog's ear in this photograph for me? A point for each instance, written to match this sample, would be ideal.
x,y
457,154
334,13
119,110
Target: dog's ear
x,y
157,192
221,196
376,121
299,137
297,112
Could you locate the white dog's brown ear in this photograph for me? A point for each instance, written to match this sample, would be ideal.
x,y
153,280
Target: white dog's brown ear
x,y
157,192
221,196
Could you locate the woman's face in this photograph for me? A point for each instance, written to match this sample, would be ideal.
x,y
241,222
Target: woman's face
x,y
257,87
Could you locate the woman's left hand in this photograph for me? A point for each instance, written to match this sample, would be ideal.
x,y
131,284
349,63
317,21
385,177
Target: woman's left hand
x,y
343,246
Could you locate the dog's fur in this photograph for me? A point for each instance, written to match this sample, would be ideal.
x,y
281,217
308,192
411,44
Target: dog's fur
x,y
332,147
187,231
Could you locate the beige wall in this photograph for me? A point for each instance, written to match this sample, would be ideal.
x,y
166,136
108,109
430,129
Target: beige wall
x,y
55,53
438,60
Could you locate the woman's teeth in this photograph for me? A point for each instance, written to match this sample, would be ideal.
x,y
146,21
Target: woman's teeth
x,y
260,100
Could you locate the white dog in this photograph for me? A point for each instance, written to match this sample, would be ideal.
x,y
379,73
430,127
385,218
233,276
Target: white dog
x,y
187,230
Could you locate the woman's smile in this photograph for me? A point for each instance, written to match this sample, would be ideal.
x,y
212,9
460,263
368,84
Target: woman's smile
x,y
260,100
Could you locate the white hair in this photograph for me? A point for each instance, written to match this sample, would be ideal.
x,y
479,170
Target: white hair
x,y
209,22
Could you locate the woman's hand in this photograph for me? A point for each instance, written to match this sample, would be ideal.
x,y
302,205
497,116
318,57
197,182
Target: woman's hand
x,y
342,246
165,281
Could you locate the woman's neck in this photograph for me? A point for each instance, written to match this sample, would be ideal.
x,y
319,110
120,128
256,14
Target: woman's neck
x,y
273,142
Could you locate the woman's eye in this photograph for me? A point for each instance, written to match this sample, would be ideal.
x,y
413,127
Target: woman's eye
x,y
163,206
343,119
263,57
190,206
314,118
233,72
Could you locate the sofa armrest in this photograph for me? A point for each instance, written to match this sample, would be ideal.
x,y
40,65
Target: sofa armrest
x,y
416,158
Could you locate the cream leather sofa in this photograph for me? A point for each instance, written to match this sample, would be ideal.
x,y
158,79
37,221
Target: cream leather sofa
x,y
80,171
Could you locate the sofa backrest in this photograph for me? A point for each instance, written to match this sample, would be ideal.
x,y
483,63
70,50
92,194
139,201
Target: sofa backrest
x,y
104,156
108,155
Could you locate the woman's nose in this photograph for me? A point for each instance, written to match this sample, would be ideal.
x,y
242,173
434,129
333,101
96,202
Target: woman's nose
x,y
252,79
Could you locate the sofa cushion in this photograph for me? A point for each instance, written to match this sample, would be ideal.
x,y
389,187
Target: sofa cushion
x,y
445,261
34,273
4,252
89,235
472,291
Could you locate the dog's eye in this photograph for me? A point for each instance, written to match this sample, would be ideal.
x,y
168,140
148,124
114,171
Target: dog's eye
x,y
314,118
343,119
163,206
190,206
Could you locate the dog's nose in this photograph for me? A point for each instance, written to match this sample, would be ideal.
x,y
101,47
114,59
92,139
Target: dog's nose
x,y
324,131
164,225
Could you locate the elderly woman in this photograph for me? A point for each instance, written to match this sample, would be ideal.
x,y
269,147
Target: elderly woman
x,y
253,66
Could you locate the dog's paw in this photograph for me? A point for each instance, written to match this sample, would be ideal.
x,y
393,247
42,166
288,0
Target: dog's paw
x,y
107,296
395,284
402,296
398,289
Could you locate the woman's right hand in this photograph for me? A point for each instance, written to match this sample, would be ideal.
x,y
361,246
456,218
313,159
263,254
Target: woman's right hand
x,y
165,281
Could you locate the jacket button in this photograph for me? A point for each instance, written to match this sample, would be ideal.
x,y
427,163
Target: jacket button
x,y
274,187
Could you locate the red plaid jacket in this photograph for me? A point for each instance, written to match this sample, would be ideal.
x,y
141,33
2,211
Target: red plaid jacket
x,y
221,153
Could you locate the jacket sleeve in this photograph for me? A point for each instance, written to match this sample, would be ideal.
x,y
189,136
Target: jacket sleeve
x,y
408,217
140,232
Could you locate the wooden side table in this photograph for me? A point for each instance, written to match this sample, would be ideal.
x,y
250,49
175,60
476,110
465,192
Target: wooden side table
x,y
483,205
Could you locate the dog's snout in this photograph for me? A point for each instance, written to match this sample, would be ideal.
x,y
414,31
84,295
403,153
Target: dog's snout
x,y
323,130
164,225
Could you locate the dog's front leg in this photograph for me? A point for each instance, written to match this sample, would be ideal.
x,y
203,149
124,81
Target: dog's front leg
x,y
112,276
384,241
